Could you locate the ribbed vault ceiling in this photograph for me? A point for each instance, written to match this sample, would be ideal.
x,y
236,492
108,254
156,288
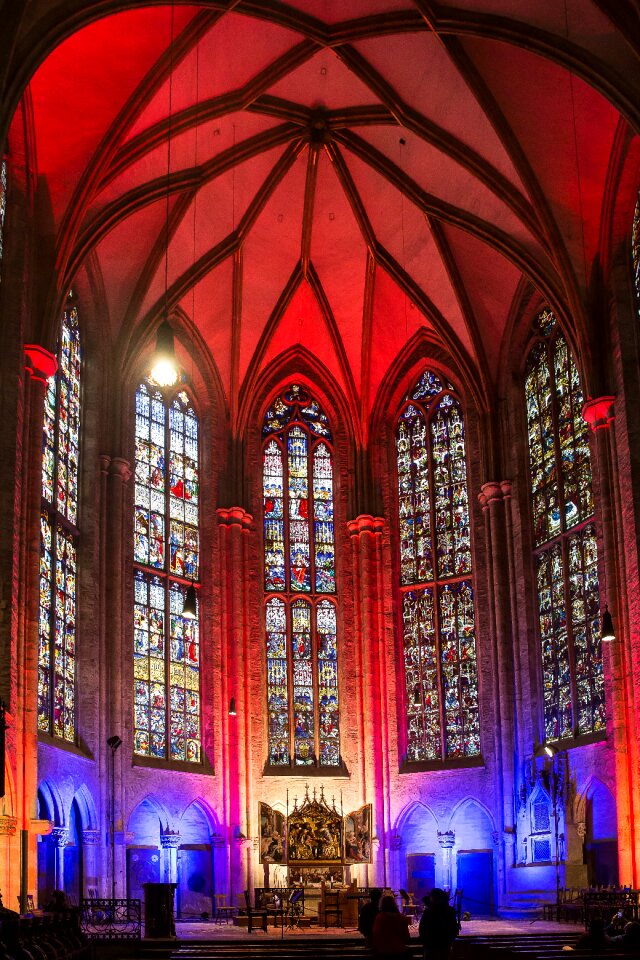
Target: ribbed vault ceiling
x,y
338,174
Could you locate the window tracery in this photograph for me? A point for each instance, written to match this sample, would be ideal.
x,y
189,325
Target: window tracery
x,y
299,576
437,600
166,657
59,537
566,553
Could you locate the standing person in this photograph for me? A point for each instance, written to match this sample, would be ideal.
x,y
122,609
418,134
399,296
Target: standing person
x,y
439,926
390,931
368,914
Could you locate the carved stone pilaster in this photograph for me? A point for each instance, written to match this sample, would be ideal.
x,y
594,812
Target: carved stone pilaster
x,y
447,840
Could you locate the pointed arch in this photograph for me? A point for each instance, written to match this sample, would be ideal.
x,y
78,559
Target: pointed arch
x,y
412,810
152,814
198,810
86,808
50,796
474,804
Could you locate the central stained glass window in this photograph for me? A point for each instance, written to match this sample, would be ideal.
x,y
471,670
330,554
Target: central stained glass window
x,y
166,658
566,550
299,578
436,589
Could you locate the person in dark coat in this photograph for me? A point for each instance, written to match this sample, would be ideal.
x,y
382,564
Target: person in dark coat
x,y
438,927
391,935
368,914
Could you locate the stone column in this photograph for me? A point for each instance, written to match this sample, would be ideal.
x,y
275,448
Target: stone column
x,y
118,721
90,845
235,524
170,841
447,842
8,828
373,701
492,498
61,839
620,661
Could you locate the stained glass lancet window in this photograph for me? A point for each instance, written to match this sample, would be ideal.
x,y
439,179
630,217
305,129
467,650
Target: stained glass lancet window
x,y
166,658
299,578
3,204
59,537
437,601
566,554
635,247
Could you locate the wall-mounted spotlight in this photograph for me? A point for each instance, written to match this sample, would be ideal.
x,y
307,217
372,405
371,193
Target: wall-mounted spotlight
x,y
232,707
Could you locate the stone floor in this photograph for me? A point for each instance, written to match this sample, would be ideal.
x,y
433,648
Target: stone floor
x,y
198,930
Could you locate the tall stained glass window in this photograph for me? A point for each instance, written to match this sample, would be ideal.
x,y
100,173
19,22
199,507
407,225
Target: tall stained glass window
x,y
635,247
300,584
436,588
166,655
3,203
59,538
566,554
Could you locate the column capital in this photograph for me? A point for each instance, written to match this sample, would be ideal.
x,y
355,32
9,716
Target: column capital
x,y
40,362
234,517
446,839
365,523
120,468
598,412
170,839
493,491
8,826
60,836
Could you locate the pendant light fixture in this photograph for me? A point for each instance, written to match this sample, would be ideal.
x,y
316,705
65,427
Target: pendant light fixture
x,y
189,608
164,369
608,633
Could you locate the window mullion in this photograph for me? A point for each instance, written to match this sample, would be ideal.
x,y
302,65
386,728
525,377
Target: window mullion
x,y
167,598
436,584
288,597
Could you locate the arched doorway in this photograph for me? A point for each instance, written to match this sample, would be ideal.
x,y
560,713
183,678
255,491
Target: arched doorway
x,y
474,863
46,851
144,862
420,839
73,857
195,864
601,836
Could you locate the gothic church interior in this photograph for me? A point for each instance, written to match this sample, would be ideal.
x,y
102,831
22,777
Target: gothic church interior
x,y
370,550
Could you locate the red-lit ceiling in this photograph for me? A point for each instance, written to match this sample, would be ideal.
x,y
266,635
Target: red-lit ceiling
x,y
342,172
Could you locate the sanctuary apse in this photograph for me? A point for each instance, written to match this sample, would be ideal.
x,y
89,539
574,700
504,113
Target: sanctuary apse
x,y
329,604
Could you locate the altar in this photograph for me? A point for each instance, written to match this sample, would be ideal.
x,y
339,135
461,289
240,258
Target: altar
x,y
314,846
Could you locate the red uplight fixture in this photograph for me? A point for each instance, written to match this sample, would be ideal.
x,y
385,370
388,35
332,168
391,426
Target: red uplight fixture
x,y
232,707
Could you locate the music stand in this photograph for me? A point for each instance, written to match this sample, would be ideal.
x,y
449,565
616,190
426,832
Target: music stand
x,y
294,910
